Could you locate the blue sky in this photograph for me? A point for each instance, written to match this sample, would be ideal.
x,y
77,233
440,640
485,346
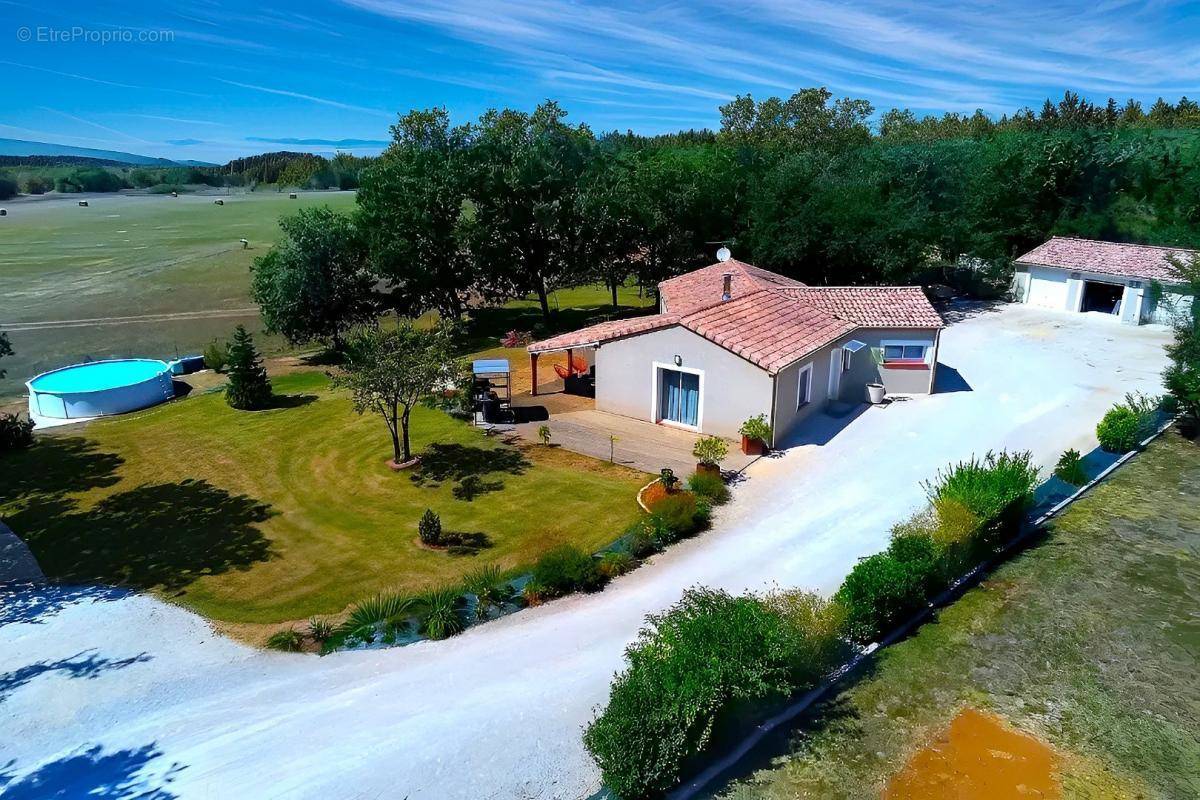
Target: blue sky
x,y
213,79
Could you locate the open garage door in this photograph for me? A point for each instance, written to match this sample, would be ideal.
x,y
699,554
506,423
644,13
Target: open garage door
x,y
1048,288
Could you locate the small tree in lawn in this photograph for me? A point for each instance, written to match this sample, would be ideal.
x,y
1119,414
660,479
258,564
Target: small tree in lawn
x,y
248,386
389,371
5,349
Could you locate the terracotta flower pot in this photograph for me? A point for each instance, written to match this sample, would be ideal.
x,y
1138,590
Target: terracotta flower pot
x,y
753,447
709,469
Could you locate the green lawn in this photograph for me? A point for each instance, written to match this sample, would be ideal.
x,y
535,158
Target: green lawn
x,y
277,515
1089,640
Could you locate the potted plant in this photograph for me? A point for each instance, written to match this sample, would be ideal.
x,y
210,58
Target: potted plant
x,y
756,435
709,451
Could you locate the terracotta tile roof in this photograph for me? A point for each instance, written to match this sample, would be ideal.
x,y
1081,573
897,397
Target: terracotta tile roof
x,y
604,332
1107,258
873,306
702,288
767,328
771,321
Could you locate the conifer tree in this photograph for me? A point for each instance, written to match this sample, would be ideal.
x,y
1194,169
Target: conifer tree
x,y
248,387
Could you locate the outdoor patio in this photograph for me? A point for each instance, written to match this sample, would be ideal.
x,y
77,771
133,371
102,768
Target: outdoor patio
x,y
641,445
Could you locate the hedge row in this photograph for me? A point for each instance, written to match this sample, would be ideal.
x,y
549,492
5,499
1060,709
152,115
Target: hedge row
x,y
694,665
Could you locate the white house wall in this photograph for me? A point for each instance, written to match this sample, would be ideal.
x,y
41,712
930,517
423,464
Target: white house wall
x,y
1062,290
732,389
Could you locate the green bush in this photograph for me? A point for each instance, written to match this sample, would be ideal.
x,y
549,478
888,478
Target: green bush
x,y
8,188
289,640
566,569
710,486
879,592
678,514
757,428
16,433
710,450
429,528
1070,468
813,629
1126,424
216,355
686,666
616,563
986,487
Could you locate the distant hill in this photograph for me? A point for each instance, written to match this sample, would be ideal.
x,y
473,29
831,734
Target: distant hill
x,y
45,152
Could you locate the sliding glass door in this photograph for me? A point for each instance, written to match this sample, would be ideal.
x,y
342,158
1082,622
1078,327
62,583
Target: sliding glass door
x,y
679,397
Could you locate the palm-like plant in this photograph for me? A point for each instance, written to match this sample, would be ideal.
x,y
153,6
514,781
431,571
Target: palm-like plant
x,y
441,616
386,608
485,584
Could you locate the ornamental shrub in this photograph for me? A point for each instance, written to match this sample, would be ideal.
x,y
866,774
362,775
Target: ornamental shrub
x,y
1126,424
680,516
879,592
567,569
813,634
615,563
757,428
216,355
986,487
710,486
687,665
429,529
1070,468
710,450
16,432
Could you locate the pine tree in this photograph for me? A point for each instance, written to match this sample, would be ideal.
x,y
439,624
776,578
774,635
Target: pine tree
x,y
248,387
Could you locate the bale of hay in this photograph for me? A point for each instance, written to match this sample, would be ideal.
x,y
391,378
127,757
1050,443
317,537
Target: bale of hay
x,y
83,203
3,212
219,202
174,194
292,196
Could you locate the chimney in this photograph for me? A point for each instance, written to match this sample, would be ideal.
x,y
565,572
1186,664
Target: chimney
x,y
727,286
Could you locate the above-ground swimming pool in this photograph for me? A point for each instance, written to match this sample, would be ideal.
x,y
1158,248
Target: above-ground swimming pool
x,y
98,389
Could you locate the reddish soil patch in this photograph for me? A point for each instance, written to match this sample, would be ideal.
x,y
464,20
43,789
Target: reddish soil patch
x,y
978,758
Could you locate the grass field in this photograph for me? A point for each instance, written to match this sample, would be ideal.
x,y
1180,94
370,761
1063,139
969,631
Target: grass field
x,y
131,256
1089,641
270,516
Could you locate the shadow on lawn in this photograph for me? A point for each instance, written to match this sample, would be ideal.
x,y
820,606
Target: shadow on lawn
x,y
56,466
157,535
92,773
455,462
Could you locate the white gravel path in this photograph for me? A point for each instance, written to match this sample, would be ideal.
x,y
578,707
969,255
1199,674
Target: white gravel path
x,y
126,691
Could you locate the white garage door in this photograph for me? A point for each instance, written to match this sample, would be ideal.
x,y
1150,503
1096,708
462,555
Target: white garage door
x,y
1048,288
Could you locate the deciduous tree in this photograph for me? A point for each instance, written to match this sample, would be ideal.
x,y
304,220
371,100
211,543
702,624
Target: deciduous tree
x,y
389,371
314,284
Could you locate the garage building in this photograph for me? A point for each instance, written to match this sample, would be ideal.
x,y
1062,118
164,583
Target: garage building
x,y
1134,283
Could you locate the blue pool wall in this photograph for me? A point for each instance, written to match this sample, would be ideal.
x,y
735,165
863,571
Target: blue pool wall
x,y
100,402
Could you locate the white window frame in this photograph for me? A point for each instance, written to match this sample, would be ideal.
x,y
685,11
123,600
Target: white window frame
x,y
656,381
801,402
928,345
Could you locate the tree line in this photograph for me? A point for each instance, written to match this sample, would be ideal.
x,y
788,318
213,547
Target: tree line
x,y
522,203
67,174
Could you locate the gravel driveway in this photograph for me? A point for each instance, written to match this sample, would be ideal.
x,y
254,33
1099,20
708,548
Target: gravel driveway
x,y
107,689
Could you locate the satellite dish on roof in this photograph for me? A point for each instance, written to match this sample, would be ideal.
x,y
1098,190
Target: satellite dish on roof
x,y
723,254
